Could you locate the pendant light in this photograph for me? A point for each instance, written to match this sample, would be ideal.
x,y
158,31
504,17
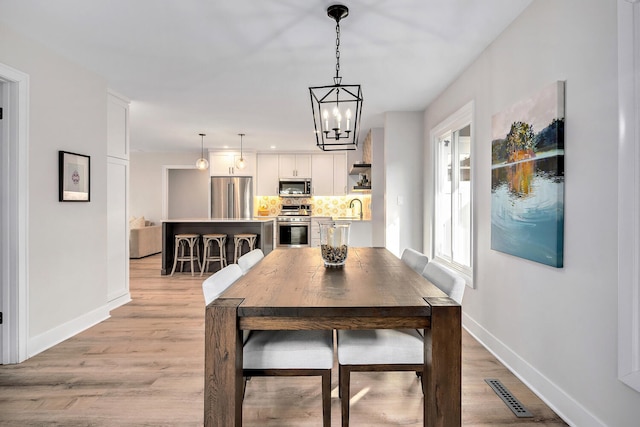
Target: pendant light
x,y
202,163
337,108
241,164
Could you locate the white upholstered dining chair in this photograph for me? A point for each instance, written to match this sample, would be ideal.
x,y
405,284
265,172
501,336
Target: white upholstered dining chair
x,y
218,282
250,259
446,280
280,353
389,349
414,259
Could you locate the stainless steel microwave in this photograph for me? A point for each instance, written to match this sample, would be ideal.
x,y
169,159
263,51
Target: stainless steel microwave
x,y
294,187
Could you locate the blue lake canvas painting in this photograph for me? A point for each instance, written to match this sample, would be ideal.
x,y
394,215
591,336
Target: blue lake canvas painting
x,y
527,178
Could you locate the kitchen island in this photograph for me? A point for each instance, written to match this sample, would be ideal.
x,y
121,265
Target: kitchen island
x,y
263,227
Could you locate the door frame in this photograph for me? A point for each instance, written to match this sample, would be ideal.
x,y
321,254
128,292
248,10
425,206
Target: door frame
x,y
15,204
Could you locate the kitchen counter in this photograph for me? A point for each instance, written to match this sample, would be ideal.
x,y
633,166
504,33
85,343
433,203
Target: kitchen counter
x,y
221,220
359,235
350,218
263,227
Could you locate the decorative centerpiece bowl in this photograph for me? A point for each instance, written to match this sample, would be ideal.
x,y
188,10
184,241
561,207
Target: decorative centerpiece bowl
x,y
334,242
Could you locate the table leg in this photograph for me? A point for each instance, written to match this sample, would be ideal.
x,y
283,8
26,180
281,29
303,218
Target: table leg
x,y
442,378
222,365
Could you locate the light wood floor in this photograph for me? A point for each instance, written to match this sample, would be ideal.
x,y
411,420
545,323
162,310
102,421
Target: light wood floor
x,y
144,367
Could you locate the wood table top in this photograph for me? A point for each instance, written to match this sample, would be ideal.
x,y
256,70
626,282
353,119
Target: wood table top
x,y
294,282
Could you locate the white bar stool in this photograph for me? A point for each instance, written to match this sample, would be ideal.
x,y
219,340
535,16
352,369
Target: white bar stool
x,y
209,241
238,242
186,250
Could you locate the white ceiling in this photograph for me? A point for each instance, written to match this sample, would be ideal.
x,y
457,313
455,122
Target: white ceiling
x,y
222,68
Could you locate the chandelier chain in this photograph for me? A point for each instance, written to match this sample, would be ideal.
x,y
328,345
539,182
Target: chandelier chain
x,y
337,50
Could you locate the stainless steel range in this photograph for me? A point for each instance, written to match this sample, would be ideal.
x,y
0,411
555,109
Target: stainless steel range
x,y
293,226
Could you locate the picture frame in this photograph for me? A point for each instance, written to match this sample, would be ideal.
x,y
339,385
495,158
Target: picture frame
x,y
74,177
527,177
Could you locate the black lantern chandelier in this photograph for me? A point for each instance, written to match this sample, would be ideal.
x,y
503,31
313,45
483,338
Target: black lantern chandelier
x,y
336,108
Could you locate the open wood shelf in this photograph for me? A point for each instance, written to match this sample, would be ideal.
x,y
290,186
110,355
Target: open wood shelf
x,y
359,168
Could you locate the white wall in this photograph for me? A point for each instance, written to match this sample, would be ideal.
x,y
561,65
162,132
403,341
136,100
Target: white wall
x,y
145,182
378,190
403,136
556,328
188,193
67,242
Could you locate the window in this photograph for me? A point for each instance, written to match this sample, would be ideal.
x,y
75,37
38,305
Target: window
x,y
453,208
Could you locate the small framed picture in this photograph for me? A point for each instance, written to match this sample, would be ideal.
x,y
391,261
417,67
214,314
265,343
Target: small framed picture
x,y
74,177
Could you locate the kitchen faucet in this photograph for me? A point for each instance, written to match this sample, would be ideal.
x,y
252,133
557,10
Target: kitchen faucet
x,y
351,205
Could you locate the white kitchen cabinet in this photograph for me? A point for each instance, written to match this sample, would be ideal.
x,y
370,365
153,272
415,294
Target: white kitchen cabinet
x,y
329,174
295,166
267,175
315,229
339,174
224,163
322,174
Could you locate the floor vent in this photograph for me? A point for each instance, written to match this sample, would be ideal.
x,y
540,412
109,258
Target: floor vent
x,y
514,404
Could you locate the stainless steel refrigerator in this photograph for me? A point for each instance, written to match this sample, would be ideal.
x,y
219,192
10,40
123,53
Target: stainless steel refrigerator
x,y
231,197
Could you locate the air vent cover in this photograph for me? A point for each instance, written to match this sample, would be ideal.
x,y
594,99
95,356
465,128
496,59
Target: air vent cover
x,y
509,399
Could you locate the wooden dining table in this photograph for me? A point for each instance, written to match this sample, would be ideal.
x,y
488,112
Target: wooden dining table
x,y
291,289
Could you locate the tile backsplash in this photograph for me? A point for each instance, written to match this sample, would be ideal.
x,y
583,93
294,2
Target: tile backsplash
x,y
320,206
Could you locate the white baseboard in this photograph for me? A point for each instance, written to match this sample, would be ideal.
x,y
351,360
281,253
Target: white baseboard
x,y
572,412
119,301
60,333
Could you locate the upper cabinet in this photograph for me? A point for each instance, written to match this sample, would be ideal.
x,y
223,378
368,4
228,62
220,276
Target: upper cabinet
x,y
295,165
224,163
322,175
340,175
329,174
267,175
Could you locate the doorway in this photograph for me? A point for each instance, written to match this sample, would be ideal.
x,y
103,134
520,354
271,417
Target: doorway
x,y
185,192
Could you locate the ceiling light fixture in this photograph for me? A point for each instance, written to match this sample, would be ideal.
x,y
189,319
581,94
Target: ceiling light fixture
x,y
241,164
202,163
337,108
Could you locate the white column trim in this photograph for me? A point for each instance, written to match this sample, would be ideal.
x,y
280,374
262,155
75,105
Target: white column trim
x,y
16,287
629,193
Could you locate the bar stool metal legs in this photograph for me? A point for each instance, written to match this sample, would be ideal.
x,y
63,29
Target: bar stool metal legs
x,y
238,241
209,242
186,250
